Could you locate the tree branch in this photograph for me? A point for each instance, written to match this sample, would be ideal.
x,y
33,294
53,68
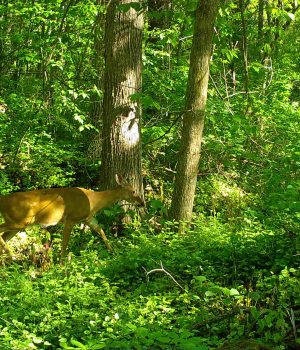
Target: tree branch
x,y
162,269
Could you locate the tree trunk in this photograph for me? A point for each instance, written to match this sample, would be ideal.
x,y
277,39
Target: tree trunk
x,y
95,144
121,150
260,22
193,118
242,8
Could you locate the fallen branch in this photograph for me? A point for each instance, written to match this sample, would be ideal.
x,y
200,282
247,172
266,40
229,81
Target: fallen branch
x,y
162,269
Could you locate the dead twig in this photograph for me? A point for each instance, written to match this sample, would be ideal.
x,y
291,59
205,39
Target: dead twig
x,y
162,269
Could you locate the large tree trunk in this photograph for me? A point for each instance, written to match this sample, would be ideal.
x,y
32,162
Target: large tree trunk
x,y
193,118
260,21
95,145
121,150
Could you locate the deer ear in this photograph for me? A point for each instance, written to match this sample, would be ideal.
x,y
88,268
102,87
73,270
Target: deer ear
x,y
119,179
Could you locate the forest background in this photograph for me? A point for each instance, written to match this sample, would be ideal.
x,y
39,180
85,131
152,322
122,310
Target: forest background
x,y
231,281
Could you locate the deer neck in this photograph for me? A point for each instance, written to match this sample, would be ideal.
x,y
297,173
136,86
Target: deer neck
x,y
107,198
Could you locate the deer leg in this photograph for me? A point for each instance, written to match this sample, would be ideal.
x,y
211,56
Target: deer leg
x,y
92,223
9,235
66,235
8,231
4,248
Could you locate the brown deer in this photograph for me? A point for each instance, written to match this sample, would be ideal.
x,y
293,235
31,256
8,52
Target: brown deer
x,y
51,206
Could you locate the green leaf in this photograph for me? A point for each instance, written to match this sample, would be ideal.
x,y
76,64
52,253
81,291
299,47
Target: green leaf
x,y
78,344
37,340
163,339
267,48
200,279
233,292
210,293
98,346
79,118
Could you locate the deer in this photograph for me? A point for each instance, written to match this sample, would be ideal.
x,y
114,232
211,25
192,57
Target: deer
x,y
69,206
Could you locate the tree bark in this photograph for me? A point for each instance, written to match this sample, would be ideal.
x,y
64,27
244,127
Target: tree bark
x,y
242,8
121,150
193,118
260,22
95,142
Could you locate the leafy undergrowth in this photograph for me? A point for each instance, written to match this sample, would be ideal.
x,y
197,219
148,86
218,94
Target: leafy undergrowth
x,y
207,289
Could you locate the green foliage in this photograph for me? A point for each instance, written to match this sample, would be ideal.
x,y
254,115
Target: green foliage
x,y
47,82
96,301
